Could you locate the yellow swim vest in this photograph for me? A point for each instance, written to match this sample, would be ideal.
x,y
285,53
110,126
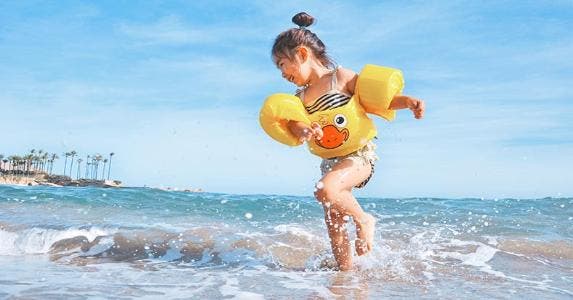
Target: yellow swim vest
x,y
346,128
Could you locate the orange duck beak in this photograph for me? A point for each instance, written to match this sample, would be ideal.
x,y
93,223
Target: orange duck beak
x,y
332,137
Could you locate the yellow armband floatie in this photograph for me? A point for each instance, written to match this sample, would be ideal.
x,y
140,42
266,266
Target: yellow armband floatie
x,y
376,87
345,125
277,110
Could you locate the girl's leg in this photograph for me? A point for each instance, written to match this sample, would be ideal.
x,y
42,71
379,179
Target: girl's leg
x,y
339,242
335,192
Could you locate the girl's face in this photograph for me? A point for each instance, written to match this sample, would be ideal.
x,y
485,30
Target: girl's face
x,y
294,70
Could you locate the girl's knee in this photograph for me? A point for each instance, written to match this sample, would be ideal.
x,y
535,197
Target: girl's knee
x,y
327,193
324,193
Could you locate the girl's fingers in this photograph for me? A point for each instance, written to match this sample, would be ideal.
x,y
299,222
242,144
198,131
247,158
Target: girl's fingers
x,y
318,134
315,126
316,130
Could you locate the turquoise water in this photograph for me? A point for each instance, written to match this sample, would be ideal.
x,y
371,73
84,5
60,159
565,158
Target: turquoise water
x,y
78,243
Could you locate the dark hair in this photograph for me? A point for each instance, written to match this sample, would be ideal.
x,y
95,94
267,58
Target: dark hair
x,y
288,40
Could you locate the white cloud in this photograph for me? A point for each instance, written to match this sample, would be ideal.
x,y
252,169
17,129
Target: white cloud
x,y
167,30
175,30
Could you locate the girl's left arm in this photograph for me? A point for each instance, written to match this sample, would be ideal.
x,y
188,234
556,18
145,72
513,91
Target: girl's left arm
x,y
349,78
413,104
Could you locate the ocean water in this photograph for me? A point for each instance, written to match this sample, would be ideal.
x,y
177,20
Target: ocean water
x,y
93,243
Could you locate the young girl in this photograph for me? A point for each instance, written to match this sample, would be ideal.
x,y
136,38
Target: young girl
x,y
302,59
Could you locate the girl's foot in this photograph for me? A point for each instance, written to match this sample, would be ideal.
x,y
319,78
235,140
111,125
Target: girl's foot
x,y
365,234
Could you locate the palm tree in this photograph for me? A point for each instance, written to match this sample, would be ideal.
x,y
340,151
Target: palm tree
x,y
11,163
88,164
17,162
97,159
22,165
40,154
109,166
93,168
103,171
36,164
54,157
49,163
1,159
44,162
72,154
28,164
67,154
14,164
4,161
33,162
79,164
32,152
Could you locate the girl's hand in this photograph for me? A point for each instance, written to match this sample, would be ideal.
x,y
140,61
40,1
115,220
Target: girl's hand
x,y
303,132
403,101
417,107
316,131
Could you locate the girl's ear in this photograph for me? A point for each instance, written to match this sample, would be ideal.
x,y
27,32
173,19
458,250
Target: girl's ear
x,y
302,51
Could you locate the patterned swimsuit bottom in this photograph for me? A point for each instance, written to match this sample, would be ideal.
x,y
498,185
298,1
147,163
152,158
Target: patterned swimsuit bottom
x,y
365,156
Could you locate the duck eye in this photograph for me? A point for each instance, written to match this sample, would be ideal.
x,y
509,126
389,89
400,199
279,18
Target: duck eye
x,y
340,120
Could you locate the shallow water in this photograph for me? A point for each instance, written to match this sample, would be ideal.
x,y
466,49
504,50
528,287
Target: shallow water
x,y
78,243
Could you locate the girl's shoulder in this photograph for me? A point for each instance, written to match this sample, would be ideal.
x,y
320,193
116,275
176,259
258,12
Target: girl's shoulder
x,y
346,79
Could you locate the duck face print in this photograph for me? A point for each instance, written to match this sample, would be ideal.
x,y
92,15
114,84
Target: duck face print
x,y
335,134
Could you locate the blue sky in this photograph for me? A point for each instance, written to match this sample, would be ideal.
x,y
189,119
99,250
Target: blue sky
x,y
174,89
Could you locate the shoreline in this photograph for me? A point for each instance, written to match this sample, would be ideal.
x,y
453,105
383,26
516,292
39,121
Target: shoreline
x,y
64,181
5,181
55,181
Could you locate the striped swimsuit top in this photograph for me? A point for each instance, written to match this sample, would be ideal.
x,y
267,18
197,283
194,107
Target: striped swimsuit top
x,y
329,100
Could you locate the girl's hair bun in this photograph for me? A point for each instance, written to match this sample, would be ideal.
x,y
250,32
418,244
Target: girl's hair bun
x,y
303,19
